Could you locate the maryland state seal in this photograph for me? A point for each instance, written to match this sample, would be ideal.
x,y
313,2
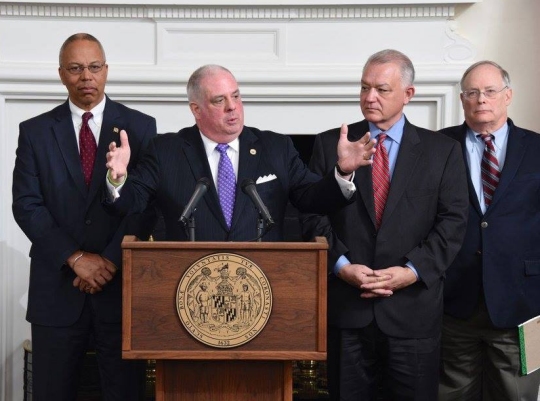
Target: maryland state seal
x,y
224,300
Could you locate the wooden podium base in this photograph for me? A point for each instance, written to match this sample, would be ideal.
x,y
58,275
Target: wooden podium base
x,y
189,380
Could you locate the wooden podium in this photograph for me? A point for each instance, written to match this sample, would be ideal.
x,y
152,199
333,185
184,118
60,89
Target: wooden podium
x,y
259,369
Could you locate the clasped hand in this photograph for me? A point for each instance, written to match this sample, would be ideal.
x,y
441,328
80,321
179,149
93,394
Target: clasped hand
x,y
93,272
377,283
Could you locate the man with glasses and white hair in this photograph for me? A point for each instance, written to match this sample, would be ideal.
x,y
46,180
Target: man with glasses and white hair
x,y
75,284
494,283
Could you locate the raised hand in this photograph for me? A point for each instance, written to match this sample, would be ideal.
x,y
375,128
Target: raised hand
x,y
118,158
353,155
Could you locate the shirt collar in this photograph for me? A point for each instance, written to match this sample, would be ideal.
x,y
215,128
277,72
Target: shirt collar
x,y
499,135
97,112
210,146
395,132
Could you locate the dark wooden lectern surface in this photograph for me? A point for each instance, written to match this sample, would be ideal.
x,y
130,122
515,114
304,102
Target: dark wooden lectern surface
x,y
188,369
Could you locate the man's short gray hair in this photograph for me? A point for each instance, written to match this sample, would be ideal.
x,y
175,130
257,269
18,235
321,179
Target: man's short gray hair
x,y
394,56
504,74
79,36
193,88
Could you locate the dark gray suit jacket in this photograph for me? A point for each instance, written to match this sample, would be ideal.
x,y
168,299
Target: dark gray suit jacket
x,y
423,222
60,215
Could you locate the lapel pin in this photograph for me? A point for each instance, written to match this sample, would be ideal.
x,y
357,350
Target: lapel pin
x,y
253,152
116,130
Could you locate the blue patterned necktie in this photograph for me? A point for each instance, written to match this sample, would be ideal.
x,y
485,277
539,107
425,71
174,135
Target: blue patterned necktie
x,y
226,183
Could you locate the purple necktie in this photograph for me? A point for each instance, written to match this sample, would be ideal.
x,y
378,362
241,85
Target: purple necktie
x,y
226,183
87,148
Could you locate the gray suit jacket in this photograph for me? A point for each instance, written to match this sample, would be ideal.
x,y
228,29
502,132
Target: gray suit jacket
x,y
423,222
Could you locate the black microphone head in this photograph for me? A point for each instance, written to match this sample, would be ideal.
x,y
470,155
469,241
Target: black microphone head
x,y
246,183
205,181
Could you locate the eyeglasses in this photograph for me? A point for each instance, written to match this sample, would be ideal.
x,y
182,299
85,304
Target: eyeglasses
x,y
77,69
475,93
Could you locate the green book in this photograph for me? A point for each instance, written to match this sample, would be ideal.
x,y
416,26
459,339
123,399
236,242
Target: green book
x,y
529,345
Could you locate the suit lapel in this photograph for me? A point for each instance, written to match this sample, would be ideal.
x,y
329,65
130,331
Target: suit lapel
x,y
362,177
409,151
250,155
515,150
67,142
473,197
110,131
193,148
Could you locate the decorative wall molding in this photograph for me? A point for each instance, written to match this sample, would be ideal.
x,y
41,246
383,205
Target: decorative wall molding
x,y
459,49
228,12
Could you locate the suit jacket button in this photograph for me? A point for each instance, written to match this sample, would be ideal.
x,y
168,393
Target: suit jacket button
x,y
88,222
484,224
479,252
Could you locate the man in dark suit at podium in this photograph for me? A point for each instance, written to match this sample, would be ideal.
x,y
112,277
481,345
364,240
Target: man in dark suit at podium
x,y
220,148
493,285
75,286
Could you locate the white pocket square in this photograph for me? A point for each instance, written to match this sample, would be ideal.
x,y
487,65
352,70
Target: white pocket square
x,y
266,178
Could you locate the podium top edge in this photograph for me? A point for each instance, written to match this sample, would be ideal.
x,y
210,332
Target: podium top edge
x,y
131,241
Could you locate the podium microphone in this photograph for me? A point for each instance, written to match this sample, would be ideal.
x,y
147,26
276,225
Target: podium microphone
x,y
249,188
200,189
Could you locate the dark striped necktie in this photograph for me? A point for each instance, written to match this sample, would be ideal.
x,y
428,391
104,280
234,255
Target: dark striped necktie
x,y
490,169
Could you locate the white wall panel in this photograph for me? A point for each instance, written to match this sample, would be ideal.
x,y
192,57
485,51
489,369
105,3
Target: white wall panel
x,y
222,43
38,40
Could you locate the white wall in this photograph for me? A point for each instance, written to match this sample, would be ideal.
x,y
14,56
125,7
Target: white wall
x,y
298,66
507,32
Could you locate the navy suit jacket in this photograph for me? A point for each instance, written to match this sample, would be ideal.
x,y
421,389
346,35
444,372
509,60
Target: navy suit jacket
x,y
501,252
423,222
60,215
168,174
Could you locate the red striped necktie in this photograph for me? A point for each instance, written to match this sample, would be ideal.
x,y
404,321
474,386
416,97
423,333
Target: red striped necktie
x,y
490,169
381,179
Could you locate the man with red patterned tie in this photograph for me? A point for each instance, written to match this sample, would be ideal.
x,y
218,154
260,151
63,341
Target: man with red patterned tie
x,y
389,251
493,284
75,284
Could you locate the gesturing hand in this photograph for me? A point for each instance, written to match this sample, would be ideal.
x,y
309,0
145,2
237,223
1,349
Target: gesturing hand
x,y
118,158
353,155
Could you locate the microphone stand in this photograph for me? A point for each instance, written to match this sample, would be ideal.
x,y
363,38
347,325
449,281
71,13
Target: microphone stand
x,y
190,228
260,228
